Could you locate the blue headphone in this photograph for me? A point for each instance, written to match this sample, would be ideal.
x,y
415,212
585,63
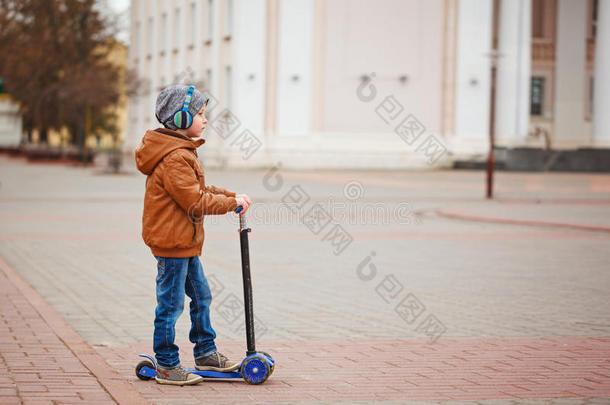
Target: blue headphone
x,y
182,118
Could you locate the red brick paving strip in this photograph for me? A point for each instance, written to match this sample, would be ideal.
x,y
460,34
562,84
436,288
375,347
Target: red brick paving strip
x,y
479,218
377,370
43,360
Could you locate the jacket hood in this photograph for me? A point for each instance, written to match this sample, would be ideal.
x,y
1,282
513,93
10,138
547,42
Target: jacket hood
x,y
158,143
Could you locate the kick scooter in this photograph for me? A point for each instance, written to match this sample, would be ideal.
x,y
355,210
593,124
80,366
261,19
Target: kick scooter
x,y
257,366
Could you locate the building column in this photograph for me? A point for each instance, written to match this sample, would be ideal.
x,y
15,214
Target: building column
x,y
601,78
472,79
319,40
514,72
135,61
271,67
450,46
216,86
570,74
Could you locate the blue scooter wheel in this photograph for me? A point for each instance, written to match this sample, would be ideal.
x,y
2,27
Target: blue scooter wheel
x,y
269,356
255,369
141,373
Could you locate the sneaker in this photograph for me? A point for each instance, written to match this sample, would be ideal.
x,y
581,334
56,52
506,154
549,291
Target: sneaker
x,y
176,376
216,362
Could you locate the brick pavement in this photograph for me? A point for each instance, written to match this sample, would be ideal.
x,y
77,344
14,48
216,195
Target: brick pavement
x,y
38,366
400,370
74,236
589,215
44,360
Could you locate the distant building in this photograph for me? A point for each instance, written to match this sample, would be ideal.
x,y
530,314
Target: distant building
x,y
118,57
385,84
105,140
10,122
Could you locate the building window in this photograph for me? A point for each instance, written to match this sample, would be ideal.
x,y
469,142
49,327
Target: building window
x,y
164,32
537,19
544,17
210,30
228,87
208,84
594,10
150,36
177,30
192,34
537,96
138,40
591,89
229,19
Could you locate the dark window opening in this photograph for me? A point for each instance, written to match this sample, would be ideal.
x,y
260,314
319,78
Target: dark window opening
x,y
536,96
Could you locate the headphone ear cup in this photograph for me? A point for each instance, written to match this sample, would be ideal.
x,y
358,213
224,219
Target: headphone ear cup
x,y
183,119
178,119
188,121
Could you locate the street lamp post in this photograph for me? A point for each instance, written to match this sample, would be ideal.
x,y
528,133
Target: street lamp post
x,y
494,55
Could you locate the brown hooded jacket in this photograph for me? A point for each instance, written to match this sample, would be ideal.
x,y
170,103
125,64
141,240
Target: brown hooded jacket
x,y
176,196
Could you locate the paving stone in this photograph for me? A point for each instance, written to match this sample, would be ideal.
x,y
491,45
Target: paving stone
x,y
74,235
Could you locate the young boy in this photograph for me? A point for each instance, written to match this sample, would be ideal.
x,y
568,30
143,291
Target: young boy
x,y
175,202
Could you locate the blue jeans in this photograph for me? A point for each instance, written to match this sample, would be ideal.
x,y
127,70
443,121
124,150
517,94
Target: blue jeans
x,y
175,277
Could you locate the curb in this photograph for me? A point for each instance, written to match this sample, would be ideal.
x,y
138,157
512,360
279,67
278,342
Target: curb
x,y
117,387
478,218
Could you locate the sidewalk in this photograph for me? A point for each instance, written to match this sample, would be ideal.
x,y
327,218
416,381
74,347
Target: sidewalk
x,y
43,368
522,309
43,360
582,214
403,370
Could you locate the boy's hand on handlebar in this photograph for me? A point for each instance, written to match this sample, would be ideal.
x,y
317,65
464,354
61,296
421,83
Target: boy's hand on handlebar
x,y
245,197
244,201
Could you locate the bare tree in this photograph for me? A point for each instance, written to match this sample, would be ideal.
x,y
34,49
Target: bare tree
x,y
55,63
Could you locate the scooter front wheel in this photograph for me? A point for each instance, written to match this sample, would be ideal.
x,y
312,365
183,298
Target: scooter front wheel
x,y
255,369
269,356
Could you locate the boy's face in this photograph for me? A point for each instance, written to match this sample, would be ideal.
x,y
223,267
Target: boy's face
x,y
199,123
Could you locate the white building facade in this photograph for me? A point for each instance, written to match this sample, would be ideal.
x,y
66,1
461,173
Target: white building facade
x,y
384,84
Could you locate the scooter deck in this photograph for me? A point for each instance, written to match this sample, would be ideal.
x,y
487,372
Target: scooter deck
x,y
215,374
207,374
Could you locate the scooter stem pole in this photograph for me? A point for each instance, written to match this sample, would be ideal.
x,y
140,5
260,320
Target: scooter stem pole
x,y
245,268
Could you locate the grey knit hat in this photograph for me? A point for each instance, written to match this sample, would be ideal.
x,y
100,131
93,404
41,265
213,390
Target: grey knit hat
x,y
171,99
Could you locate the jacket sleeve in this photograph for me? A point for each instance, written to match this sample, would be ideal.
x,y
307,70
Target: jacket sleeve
x,y
181,183
218,190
